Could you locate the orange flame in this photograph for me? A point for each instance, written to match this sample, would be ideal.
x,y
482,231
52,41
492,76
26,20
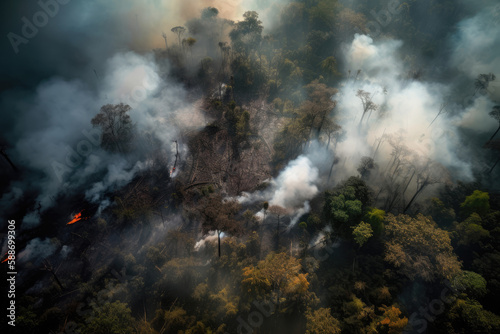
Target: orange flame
x,y
7,258
76,218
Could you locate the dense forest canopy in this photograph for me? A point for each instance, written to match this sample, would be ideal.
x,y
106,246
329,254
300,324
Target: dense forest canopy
x,y
308,166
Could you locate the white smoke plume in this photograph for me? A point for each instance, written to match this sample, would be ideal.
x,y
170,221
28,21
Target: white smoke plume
x,y
37,250
407,110
210,237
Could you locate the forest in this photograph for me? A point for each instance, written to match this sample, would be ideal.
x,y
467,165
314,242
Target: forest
x,y
293,166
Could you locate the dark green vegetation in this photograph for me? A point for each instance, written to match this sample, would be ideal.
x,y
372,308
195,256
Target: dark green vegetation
x,y
175,252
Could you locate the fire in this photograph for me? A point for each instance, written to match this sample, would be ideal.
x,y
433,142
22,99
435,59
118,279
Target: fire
x,y
7,258
76,218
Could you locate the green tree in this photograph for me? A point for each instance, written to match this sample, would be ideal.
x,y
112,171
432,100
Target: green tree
x,y
471,283
440,213
343,210
361,233
375,217
478,202
110,318
323,15
247,34
470,230
469,316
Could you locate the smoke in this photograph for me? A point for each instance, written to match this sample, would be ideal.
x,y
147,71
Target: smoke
x,y
291,188
211,237
37,250
295,184
299,213
53,134
116,177
406,110
476,44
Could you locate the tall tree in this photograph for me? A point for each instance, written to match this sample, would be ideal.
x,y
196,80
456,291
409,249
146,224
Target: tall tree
x,y
366,101
116,126
218,215
279,212
482,82
495,113
179,31
247,34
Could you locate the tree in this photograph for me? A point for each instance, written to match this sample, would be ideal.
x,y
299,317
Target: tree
x,y
440,213
110,318
471,283
361,233
179,31
375,217
329,67
366,101
478,202
321,321
418,248
427,174
470,230
495,146
190,42
278,211
314,112
469,316
209,13
343,209
365,167
116,126
278,273
218,215
247,34
392,322
482,82
495,113
165,38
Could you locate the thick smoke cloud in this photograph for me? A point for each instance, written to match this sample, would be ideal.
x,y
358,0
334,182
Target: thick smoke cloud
x,y
406,110
476,45
50,135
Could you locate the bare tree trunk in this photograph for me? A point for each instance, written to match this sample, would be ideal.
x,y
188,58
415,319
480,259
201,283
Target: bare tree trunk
x,y
414,196
2,152
278,235
493,167
494,134
218,239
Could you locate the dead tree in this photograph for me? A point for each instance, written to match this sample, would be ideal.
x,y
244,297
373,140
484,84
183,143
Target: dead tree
x,y
494,145
368,104
48,267
165,38
495,113
425,177
442,110
279,212
4,154
482,83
